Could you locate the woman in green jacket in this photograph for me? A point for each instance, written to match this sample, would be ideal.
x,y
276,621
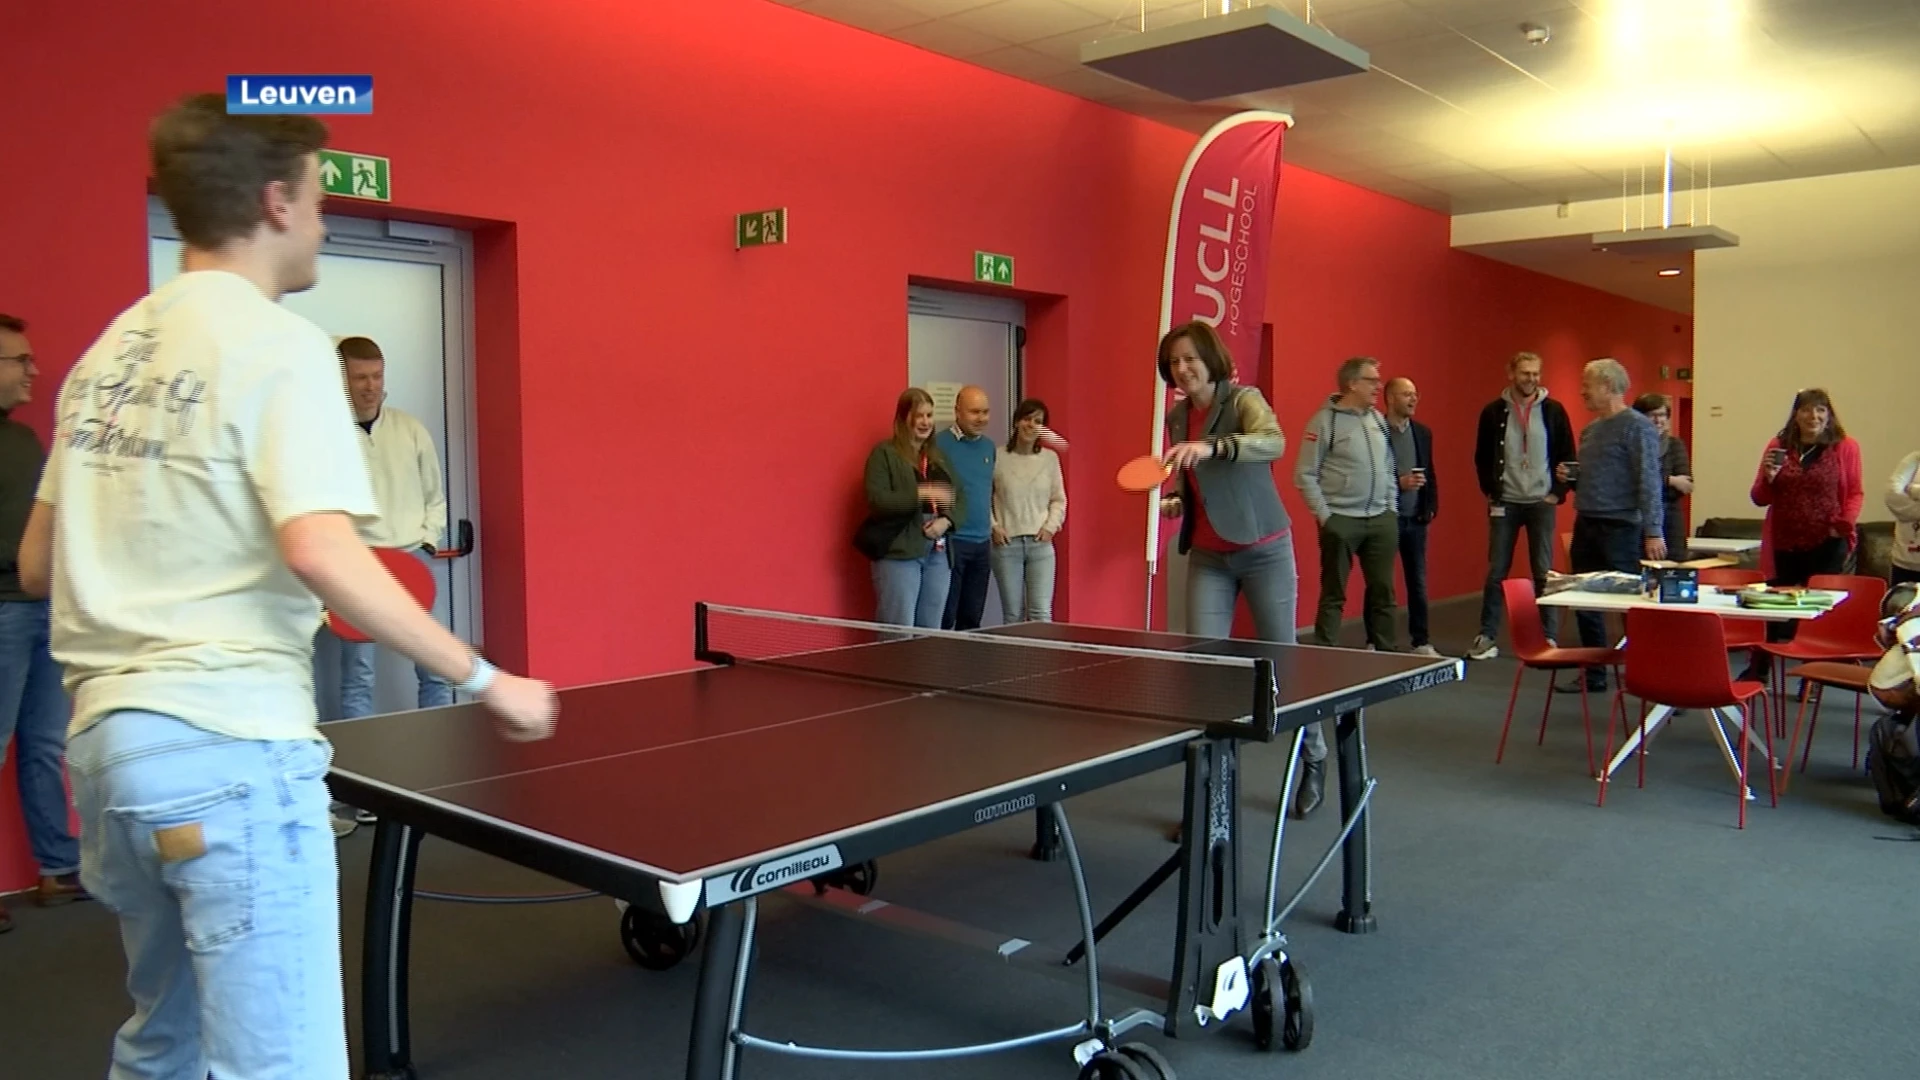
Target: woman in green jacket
x,y
912,500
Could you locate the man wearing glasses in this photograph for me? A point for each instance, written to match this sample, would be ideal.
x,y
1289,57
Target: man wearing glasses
x,y
1347,476
33,706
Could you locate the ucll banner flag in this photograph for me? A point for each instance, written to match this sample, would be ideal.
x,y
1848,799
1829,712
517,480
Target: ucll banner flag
x,y
1218,243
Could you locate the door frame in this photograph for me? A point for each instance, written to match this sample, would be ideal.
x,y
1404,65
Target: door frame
x,y
452,251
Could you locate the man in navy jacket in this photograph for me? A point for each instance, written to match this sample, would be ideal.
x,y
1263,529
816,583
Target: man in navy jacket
x,y
1419,501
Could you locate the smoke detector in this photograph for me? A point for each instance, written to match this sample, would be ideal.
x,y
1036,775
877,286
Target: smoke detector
x,y
1536,34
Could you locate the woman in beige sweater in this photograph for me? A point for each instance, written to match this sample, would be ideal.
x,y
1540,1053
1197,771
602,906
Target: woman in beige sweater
x,y
1029,506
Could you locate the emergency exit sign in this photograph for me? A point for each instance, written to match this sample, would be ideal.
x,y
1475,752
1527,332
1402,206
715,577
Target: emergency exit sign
x,y
356,176
760,227
993,269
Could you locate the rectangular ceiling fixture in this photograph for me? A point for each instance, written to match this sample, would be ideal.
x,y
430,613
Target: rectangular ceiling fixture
x,y
1675,240
1242,52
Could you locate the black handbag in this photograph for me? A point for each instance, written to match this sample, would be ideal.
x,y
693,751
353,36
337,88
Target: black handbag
x,y
875,536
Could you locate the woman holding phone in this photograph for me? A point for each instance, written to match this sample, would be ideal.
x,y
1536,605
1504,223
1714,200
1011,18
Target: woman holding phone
x,y
1810,484
912,503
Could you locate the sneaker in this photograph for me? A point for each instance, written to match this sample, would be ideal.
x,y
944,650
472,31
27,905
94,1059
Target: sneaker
x,y
343,827
366,817
1482,648
1426,650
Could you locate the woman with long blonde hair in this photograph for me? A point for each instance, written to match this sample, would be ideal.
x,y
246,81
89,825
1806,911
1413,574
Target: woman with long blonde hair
x,y
912,504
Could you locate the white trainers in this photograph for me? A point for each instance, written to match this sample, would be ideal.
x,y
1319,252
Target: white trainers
x,y
1427,650
1482,648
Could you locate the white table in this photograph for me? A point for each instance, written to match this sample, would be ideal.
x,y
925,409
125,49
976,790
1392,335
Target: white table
x,y
1711,600
1720,545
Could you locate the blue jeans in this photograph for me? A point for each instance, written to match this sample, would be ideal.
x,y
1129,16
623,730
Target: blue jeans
x,y
967,589
912,592
217,855
34,708
356,675
1267,577
1023,567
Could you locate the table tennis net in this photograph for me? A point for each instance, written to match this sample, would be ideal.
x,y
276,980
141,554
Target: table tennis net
x,y
1153,684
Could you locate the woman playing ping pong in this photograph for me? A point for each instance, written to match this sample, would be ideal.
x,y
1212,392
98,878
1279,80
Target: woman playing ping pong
x,y
1236,534
912,503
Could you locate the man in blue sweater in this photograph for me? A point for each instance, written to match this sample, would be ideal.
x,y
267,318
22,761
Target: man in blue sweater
x,y
971,456
1617,493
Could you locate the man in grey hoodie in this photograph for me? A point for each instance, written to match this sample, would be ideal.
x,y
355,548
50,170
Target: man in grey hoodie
x,y
1346,473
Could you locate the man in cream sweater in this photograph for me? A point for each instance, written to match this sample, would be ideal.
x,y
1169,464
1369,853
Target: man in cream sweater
x,y
407,486
1346,473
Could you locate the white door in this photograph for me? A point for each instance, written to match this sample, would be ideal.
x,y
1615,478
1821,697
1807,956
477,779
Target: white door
x,y
407,287
962,339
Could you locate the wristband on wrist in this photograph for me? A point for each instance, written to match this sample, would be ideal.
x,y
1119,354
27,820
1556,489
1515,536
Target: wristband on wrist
x,y
480,679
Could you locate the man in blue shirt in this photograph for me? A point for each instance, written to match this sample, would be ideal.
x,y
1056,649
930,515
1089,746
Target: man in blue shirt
x,y
971,456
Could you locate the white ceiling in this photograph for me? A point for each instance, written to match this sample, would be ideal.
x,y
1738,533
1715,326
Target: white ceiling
x,y
1461,114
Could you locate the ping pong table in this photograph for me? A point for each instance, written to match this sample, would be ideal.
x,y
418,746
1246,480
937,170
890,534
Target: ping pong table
x,y
808,747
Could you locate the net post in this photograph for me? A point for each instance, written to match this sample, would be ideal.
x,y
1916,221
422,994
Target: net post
x,y
702,650
1265,691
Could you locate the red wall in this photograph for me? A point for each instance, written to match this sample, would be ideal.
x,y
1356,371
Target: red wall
x,y
663,419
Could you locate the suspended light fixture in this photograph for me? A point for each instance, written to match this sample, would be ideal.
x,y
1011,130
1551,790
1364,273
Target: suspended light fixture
x,y
1235,52
1667,238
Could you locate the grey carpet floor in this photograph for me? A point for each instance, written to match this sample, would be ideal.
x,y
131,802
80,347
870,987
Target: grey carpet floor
x,y
1524,933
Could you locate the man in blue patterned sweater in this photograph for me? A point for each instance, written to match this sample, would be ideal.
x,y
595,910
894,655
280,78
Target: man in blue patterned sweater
x,y
1617,493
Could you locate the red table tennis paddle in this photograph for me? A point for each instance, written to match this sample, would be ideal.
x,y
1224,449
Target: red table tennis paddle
x,y
1144,473
412,575
1050,437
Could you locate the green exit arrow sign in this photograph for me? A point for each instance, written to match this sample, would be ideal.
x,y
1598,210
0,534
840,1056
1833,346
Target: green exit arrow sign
x,y
356,176
759,228
993,269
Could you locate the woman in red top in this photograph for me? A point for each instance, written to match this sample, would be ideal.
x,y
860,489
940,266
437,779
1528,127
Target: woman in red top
x,y
1810,483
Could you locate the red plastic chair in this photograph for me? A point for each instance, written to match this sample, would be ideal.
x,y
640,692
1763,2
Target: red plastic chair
x,y
1530,645
1819,675
1678,659
1741,633
1843,634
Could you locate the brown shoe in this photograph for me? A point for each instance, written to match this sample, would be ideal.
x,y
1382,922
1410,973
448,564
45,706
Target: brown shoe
x,y
64,889
6,920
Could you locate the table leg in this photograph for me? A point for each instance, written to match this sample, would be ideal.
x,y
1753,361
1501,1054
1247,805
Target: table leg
x,y
1656,717
709,1054
1209,938
385,947
1356,890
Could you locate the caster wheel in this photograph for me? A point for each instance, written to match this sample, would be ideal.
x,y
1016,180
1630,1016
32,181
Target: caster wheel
x,y
1147,1060
1265,1004
858,879
1113,1065
656,942
1296,995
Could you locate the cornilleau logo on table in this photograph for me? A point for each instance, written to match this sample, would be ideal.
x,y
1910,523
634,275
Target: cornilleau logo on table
x,y
302,95
761,877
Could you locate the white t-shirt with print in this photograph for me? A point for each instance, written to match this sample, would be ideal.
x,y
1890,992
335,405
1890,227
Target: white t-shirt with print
x,y
204,418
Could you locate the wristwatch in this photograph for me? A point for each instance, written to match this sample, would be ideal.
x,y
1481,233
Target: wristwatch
x,y
480,679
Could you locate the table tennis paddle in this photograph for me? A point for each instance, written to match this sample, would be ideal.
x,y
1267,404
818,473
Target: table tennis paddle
x,y
1144,473
1051,438
412,575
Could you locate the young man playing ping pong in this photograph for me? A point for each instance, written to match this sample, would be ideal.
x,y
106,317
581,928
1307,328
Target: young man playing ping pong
x,y
203,485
